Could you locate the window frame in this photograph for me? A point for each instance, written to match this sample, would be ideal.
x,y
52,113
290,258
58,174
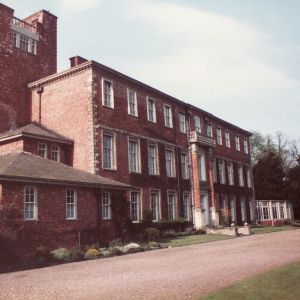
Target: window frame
x,y
158,204
138,208
112,135
172,172
202,168
112,102
45,150
174,213
106,207
237,143
230,173
168,117
227,139
222,174
156,159
34,203
135,112
209,129
232,200
149,99
241,175
243,208
138,155
57,152
182,122
74,205
219,136
246,146
186,205
197,129
185,171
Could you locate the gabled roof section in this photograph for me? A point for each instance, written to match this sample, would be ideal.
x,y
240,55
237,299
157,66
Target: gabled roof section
x,y
26,167
35,130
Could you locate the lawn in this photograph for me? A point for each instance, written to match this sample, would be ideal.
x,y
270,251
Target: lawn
x,y
271,229
278,284
193,239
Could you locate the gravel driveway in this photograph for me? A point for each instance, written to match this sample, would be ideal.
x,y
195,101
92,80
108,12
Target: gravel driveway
x,y
176,273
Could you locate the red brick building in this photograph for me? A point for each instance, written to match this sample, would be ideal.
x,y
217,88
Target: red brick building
x,y
179,160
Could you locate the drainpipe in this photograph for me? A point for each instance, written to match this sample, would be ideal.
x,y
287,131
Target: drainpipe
x,y
40,90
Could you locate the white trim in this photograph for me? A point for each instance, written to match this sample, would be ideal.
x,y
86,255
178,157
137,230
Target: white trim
x,y
75,204
170,117
154,109
35,203
112,100
227,139
158,204
182,129
173,162
135,113
189,205
157,170
114,156
138,154
45,149
108,205
54,151
219,136
139,208
175,210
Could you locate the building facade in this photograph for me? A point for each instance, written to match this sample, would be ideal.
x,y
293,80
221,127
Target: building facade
x,y
178,160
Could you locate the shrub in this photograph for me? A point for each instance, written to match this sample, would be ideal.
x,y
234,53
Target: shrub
x,y
116,243
116,250
76,254
92,253
42,253
152,234
200,231
62,254
153,245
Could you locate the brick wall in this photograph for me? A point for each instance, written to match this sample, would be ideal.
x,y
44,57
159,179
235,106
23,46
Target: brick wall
x,y
66,109
52,229
19,67
11,146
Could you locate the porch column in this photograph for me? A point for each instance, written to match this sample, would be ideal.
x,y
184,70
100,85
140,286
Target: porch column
x,y
214,214
197,213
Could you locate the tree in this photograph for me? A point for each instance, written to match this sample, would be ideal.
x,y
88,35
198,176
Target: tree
x,y
269,176
293,188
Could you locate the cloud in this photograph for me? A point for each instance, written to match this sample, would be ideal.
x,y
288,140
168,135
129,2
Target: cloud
x,y
209,54
76,6
221,64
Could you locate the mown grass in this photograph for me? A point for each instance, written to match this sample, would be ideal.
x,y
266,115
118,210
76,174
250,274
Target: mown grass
x,y
271,229
279,284
193,239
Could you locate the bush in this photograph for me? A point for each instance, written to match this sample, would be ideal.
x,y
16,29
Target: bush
x,y
153,245
42,253
92,253
76,254
62,254
152,234
116,250
116,243
200,231
178,224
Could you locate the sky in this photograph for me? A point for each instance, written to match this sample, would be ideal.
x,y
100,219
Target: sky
x,y
237,59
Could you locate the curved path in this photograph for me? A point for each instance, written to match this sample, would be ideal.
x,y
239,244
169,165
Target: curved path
x,y
176,273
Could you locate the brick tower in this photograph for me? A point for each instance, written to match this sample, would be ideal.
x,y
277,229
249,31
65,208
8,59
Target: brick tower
x,y
28,51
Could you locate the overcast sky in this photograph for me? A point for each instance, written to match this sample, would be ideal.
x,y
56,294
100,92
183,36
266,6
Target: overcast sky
x,y
238,59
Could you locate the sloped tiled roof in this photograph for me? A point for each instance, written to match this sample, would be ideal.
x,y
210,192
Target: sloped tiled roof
x,y
24,166
35,130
